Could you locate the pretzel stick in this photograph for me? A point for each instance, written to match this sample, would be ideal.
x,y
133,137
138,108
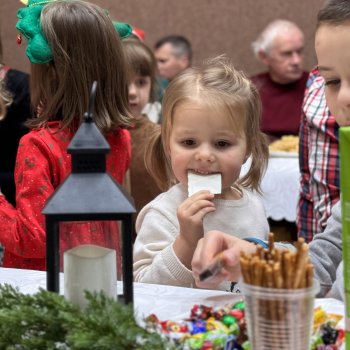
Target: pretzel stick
x,y
288,269
302,257
277,276
299,245
304,283
278,282
309,275
258,266
270,284
271,242
246,269
258,250
278,256
271,305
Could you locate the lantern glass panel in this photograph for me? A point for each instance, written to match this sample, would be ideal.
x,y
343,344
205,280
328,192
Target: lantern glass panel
x,y
105,234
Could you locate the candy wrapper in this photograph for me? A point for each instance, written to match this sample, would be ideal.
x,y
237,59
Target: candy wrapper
x,y
224,328
327,335
206,328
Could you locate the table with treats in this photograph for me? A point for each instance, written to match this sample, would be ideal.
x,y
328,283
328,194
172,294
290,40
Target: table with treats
x,y
280,183
170,306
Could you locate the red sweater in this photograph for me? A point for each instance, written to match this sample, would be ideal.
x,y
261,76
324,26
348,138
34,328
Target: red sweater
x,y
42,164
281,104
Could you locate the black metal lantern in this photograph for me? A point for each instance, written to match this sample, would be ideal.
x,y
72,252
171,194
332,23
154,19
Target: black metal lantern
x,y
89,193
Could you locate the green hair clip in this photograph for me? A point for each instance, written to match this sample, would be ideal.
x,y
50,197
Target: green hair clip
x,y
38,49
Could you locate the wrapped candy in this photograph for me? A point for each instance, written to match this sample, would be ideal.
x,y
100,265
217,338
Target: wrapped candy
x,y
224,328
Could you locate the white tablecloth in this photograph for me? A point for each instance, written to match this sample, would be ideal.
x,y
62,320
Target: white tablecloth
x,y
280,186
166,302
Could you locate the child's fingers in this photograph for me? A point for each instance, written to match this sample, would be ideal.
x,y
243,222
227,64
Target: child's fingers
x,y
199,215
200,195
191,202
199,207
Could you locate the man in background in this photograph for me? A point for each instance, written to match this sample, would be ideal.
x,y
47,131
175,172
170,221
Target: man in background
x,y
173,55
280,48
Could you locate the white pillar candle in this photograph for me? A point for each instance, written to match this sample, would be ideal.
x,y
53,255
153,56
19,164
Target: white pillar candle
x,y
89,267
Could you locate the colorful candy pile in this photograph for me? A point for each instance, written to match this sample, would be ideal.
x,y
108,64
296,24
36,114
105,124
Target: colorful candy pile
x,y
206,328
223,328
326,334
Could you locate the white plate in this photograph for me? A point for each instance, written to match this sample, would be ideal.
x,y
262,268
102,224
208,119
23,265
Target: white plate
x,y
282,154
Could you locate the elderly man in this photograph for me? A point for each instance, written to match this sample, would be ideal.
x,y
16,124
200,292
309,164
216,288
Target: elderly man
x,y
280,48
173,54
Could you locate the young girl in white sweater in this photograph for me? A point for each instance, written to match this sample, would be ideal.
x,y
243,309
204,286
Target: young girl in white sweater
x,y
210,126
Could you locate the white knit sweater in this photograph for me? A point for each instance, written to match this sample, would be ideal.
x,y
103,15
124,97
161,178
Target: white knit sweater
x,y
157,227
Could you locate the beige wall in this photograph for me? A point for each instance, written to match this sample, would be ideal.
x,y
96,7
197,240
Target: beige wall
x,y
213,26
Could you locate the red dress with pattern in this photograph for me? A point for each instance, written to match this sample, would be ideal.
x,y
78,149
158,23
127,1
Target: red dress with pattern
x,y
42,164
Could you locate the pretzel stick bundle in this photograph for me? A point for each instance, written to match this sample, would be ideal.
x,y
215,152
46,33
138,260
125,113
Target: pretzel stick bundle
x,y
277,269
290,270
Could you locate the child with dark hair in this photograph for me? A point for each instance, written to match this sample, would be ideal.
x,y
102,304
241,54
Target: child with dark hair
x,y
62,72
141,70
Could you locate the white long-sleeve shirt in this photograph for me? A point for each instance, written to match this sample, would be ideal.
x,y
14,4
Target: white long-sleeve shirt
x,y
157,227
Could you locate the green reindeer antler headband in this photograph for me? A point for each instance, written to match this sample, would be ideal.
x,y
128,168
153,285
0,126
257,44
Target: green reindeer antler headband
x,y
123,29
38,49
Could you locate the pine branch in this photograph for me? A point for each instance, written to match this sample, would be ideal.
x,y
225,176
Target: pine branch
x,y
47,321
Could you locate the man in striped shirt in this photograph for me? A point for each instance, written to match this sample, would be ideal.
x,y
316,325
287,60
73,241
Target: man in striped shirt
x,y
318,160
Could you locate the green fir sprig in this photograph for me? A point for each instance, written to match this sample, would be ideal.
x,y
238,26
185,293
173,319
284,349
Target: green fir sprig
x,y
47,321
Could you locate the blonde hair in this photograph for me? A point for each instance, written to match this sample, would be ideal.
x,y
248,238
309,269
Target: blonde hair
x,y
217,84
85,48
140,60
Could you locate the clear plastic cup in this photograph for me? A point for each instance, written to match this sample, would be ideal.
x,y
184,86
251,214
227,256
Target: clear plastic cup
x,y
279,319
